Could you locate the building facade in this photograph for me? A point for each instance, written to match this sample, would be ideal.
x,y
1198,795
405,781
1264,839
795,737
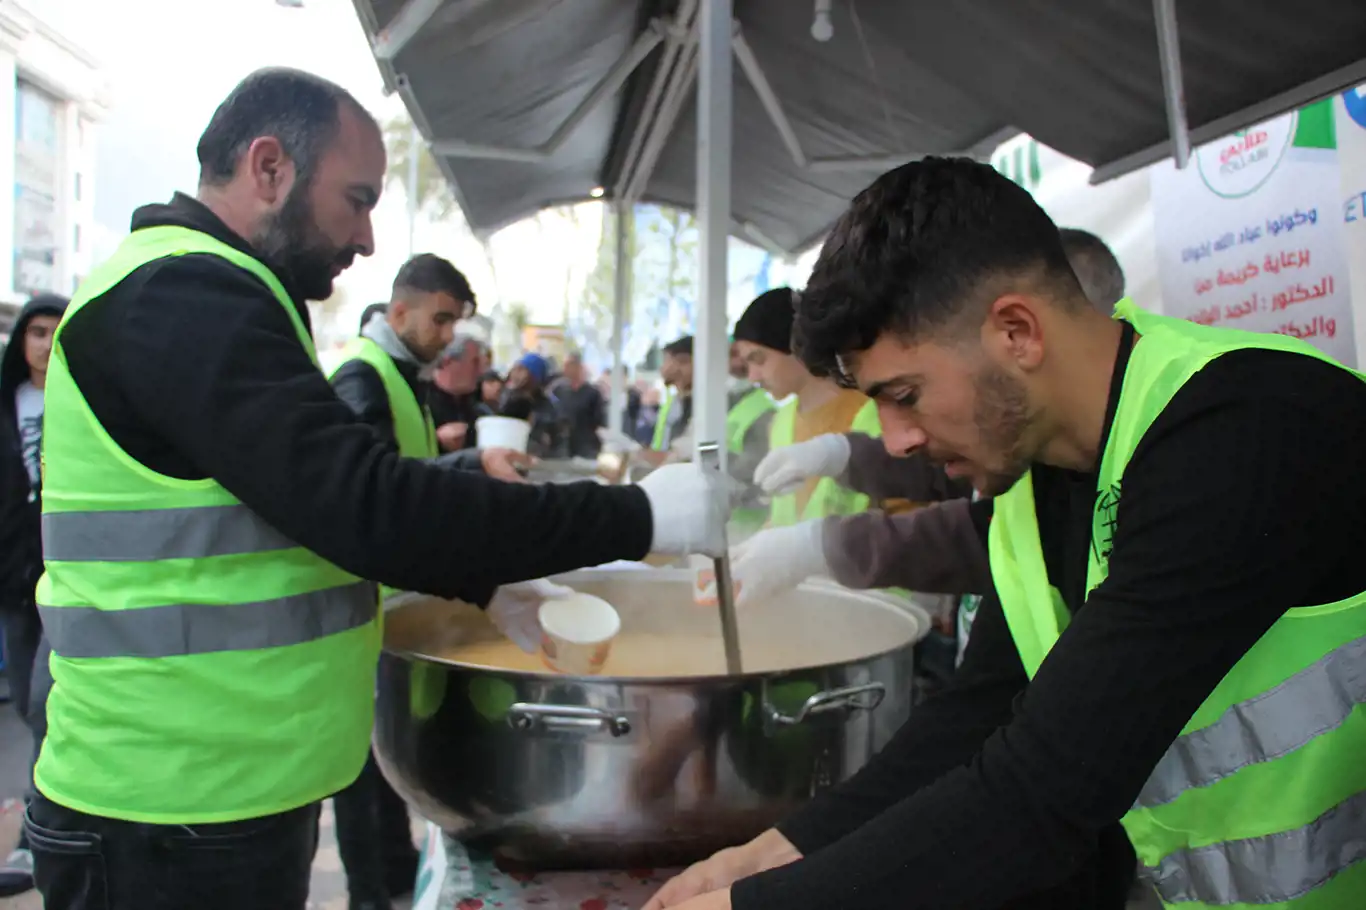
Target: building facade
x,y
52,96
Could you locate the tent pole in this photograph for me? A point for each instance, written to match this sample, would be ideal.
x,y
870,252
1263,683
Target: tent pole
x,y
621,294
1169,54
714,100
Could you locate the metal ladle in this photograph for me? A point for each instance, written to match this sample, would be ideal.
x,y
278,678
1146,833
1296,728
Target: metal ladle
x,y
709,455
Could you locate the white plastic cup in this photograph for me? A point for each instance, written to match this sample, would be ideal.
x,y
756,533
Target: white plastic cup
x,y
577,633
495,432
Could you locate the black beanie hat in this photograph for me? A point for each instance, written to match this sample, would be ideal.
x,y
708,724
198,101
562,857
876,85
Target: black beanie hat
x,y
768,320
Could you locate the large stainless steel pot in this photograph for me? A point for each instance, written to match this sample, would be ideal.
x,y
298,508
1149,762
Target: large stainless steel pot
x,y
560,772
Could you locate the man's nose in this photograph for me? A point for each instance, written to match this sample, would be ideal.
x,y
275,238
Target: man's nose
x,y
901,434
753,374
364,239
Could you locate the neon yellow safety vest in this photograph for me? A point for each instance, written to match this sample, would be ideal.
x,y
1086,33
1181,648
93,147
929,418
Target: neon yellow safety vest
x,y
413,427
1261,800
752,405
662,422
205,667
828,498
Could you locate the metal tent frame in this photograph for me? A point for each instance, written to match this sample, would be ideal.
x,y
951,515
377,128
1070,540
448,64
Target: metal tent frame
x,y
619,96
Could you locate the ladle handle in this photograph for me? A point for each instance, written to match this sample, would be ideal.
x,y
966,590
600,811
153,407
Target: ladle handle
x,y
709,454
525,716
851,698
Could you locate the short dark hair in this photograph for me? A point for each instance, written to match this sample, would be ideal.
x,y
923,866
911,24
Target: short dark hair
x,y
299,109
680,348
1100,274
924,246
370,311
430,274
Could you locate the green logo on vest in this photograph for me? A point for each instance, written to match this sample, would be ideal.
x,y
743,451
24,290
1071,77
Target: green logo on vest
x,y
1103,524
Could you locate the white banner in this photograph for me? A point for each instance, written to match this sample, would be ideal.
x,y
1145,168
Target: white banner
x,y
1350,119
1249,235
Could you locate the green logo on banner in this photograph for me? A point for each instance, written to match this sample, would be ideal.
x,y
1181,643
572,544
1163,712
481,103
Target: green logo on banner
x,y
1021,164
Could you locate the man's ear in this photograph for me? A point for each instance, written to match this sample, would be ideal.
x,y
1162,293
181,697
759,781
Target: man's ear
x,y
268,169
1013,331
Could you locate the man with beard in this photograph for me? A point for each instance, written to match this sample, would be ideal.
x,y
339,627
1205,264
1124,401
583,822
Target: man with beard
x,y
378,380
379,372
931,549
212,513
1181,622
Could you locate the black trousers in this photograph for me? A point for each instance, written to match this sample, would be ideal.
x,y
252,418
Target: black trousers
x,y
374,837
83,862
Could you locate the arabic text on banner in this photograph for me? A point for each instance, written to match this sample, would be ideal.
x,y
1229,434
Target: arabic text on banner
x,y
1249,235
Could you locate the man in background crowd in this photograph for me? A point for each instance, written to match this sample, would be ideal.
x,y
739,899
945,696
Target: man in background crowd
x,y
379,381
749,418
582,408
452,394
674,420
23,374
1100,274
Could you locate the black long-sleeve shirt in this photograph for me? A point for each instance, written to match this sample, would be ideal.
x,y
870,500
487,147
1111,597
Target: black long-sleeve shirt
x,y
195,370
1243,500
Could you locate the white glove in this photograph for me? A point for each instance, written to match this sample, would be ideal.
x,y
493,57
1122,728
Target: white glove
x,y
616,441
515,610
784,470
689,505
776,560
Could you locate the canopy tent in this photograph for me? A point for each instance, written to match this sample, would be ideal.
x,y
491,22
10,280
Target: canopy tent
x,y
529,103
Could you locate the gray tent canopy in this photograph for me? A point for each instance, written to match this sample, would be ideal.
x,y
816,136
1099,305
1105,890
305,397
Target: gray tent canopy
x,y
529,103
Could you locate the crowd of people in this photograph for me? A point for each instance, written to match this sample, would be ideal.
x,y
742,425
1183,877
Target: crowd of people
x,y
1153,667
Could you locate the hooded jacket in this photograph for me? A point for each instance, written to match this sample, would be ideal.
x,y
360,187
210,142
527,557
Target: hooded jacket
x,y
21,546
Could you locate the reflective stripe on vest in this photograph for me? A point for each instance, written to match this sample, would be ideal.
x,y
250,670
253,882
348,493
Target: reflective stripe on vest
x,y
414,430
1261,800
413,427
205,667
828,497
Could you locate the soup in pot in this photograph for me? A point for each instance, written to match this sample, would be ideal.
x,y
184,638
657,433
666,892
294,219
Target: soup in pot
x,y
664,635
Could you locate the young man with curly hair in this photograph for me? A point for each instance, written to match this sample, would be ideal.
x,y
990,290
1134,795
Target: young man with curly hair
x,y
1181,619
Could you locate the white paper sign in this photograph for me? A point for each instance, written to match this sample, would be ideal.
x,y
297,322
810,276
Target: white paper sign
x,y
1249,235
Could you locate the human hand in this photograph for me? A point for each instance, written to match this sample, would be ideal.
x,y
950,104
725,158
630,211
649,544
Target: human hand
x,y
776,560
689,505
515,609
452,435
723,869
712,900
502,464
785,469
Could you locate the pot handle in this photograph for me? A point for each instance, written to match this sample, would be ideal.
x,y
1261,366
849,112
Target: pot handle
x,y
851,698
525,716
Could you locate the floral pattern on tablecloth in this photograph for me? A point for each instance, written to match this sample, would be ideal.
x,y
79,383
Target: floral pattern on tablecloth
x,y
482,882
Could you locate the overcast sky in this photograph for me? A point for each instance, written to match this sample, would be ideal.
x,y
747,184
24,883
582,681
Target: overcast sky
x,y
170,62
